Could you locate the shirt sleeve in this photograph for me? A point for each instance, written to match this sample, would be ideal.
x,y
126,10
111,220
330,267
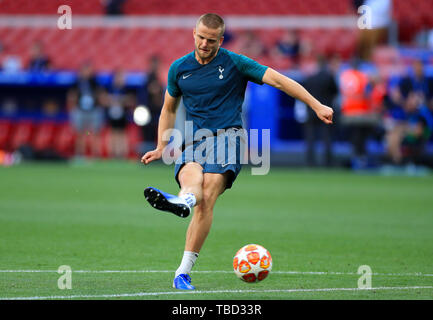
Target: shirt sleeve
x,y
250,68
172,87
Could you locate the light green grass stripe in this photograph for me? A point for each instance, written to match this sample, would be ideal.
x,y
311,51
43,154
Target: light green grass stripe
x,y
144,294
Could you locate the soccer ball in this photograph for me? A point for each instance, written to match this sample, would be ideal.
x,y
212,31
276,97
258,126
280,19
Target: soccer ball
x,y
252,263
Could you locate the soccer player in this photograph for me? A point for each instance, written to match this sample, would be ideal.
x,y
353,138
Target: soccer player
x,y
212,82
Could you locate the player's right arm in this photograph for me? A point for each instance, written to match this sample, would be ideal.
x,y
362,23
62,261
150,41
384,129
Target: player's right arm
x,y
166,122
297,91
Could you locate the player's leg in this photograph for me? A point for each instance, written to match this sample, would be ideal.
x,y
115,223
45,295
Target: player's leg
x,y
216,178
80,144
190,177
78,122
96,119
191,180
213,185
394,138
95,142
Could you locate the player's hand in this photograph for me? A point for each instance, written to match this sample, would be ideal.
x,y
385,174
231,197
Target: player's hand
x,y
151,156
325,113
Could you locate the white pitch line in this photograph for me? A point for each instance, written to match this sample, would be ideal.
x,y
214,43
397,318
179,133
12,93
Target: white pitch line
x,y
414,274
144,294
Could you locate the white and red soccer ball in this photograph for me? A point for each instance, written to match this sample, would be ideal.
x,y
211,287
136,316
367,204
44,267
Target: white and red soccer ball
x,y
252,263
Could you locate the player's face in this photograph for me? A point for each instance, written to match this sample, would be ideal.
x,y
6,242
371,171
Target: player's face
x,y
207,41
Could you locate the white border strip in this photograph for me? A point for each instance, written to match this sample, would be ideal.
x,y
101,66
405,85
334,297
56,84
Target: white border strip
x,y
413,274
185,21
146,294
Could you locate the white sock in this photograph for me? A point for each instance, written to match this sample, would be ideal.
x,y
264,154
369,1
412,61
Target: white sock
x,y
189,199
187,263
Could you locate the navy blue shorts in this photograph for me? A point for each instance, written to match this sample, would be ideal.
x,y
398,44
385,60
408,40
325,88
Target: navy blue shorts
x,y
217,154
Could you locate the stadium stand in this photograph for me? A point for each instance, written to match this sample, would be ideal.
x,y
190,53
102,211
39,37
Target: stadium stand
x,y
186,7
137,43
417,12
103,46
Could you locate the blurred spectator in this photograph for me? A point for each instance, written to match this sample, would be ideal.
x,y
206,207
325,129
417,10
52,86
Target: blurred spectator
x,y
407,131
9,108
113,7
409,118
41,148
11,64
118,103
424,38
378,93
323,86
86,114
430,39
153,99
250,45
39,61
307,60
381,14
288,47
418,81
335,62
358,114
50,109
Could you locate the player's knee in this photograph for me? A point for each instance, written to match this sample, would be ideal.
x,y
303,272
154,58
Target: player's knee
x,y
190,176
190,179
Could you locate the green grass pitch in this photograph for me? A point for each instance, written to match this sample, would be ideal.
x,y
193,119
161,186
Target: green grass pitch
x,y
319,227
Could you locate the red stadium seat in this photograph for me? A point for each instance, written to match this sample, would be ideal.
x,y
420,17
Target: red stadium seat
x,y
134,138
6,128
44,136
105,143
64,140
175,7
130,48
22,134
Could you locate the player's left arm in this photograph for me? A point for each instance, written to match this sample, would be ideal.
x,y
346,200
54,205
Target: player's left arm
x,y
297,91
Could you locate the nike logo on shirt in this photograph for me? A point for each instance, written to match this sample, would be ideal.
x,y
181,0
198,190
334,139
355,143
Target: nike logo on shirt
x,y
186,76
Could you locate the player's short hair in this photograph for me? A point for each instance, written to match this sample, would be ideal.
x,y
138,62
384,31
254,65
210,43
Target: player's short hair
x,y
212,21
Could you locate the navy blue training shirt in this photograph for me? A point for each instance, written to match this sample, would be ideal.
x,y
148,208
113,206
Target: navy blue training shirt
x,y
213,93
